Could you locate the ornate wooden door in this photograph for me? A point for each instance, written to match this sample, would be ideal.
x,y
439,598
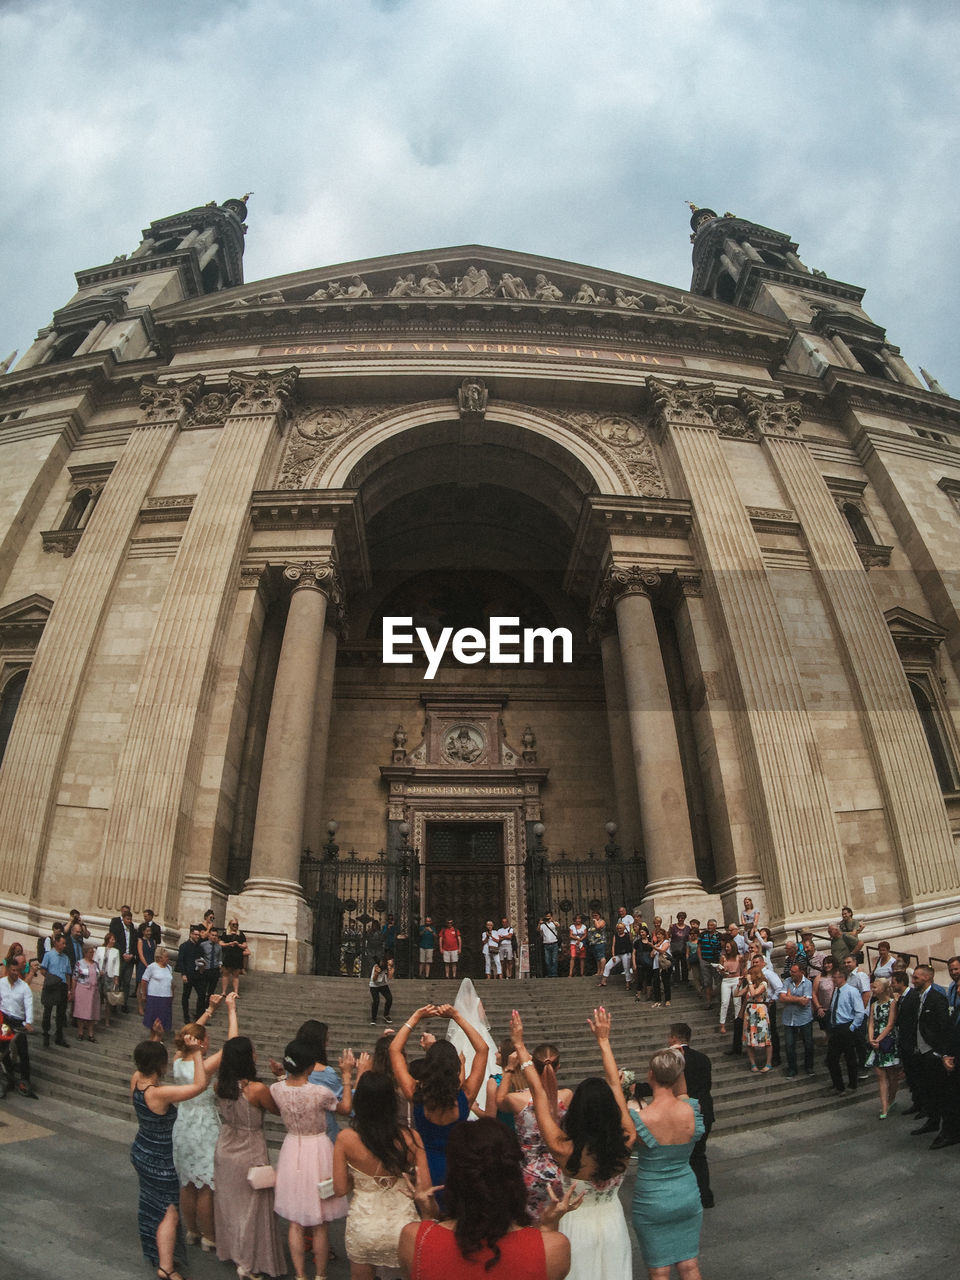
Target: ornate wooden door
x,y
464,882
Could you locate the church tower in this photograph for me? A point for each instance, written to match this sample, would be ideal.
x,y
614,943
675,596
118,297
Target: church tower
x,y
754,267
182,256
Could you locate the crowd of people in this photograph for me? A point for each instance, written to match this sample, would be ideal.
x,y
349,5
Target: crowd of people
x,y
82,983
528,1188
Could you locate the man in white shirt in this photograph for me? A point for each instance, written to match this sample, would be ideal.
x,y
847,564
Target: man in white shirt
x,y
857,978
624,915
506,935
16,1003
550,936
743,946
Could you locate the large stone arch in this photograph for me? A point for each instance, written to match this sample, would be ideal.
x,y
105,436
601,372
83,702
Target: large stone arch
x,y
573,444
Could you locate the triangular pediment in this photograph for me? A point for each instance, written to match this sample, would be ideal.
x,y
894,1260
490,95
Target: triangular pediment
x,y
490,278
22,622
903,622
31,609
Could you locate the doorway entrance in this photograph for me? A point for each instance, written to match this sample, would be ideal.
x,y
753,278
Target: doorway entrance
x,y
464,881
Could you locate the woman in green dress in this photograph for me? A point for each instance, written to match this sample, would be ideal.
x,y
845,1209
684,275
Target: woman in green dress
x,y
667,1213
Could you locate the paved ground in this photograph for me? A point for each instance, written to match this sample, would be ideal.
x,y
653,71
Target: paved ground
x,y
834,1197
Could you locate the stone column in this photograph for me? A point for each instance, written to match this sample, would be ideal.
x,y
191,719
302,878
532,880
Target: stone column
x,y
913,802
672,880
621,748
30,775
272,898
799,849
158,771
315,820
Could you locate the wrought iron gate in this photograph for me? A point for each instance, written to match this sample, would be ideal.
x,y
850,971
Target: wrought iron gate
x,y
351,898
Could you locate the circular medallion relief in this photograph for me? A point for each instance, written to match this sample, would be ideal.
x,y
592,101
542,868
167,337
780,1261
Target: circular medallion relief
x,y
463,744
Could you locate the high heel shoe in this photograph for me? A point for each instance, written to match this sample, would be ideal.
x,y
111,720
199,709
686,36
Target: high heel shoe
x,y
207,1245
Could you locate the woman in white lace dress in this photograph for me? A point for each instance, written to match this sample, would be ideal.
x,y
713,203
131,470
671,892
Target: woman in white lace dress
x,y
592,1149
197,1128
370,1160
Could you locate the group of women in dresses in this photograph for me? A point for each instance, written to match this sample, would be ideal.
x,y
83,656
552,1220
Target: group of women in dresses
x,y
436,1198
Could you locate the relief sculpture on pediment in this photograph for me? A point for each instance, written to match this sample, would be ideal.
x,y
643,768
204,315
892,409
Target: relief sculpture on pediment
x,y
630,445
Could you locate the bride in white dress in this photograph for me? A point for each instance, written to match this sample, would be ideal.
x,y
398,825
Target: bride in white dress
x,y
471,1006
592,1149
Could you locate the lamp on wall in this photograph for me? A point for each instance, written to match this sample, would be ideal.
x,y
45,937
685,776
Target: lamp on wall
x,y
330,848
611,848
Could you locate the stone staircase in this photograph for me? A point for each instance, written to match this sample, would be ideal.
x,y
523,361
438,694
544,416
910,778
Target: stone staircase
x,y
272,1006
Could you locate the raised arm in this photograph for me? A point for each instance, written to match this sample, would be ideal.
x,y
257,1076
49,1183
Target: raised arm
x,y
347,1064
401,1073
561,1148
212,1063
481,1050
599,1024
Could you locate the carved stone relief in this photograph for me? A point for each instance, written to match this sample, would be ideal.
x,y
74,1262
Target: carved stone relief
x,y
316,432
626,440
165,402
262,393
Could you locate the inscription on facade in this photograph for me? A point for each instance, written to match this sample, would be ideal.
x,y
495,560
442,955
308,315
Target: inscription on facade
x,y
535,349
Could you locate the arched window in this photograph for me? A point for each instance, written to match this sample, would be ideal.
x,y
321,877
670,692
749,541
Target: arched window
x,y
929,713
67,345
871,363
77,513
9,701
855,519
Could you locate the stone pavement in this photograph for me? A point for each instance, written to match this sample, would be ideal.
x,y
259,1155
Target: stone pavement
x,y
836,1196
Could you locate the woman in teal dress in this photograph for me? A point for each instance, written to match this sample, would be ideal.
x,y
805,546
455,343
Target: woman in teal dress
x,y
667,1212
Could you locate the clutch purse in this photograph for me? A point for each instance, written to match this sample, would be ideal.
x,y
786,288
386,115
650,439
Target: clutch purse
x,y
262,1176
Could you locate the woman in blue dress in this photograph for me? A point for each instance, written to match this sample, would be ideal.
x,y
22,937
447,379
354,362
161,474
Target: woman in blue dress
x,y
158,1215
667,1212
438,1100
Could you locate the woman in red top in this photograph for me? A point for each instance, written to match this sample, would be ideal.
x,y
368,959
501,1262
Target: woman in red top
x,y
487,1200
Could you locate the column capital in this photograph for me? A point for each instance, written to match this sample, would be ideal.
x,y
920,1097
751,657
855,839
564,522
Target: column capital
x,y
770,415
317,575
262,393
620,581
168,401
678,402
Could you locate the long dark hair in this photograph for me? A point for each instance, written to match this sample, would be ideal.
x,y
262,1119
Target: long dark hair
x,y
439,1082
236,1064
377,1123
593,1122
484,1188
314,1034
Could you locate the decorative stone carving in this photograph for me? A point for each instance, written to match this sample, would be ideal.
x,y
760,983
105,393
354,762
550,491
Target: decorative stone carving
x,y
733,423
165,402
618,581
475,283
357,288
630,444
768,415
431,286
463,744
405,287
211,409
872,555
511,286
63,540
546,291
529,742
262,393
313,433
665,307
327,292
472,398
585,294
626,301
250,577
678,402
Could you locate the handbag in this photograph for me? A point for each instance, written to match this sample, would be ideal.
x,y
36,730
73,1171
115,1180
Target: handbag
x,y
666,963
262,1176
114,997
887,1044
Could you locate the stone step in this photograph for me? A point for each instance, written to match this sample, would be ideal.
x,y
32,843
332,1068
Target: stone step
x,y
272,1006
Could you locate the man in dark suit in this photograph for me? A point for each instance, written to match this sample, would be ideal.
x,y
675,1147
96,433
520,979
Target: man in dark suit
x,y
908,1007
934,1040
125,937
698,1072
192,966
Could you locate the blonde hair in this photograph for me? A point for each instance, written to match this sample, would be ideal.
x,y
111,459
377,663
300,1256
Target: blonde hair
x,y
884,988
666,1066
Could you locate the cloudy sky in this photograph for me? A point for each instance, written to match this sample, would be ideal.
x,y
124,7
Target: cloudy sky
x,y
568,129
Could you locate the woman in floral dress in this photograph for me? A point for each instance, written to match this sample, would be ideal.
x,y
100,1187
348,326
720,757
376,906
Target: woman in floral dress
x,y
540,1170
882,1039
756,1029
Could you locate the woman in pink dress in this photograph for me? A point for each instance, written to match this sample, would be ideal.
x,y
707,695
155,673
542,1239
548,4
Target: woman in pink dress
x,y
86,993
306,1157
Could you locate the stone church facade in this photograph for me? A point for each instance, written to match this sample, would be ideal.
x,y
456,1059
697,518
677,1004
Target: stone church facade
x,y
738,502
